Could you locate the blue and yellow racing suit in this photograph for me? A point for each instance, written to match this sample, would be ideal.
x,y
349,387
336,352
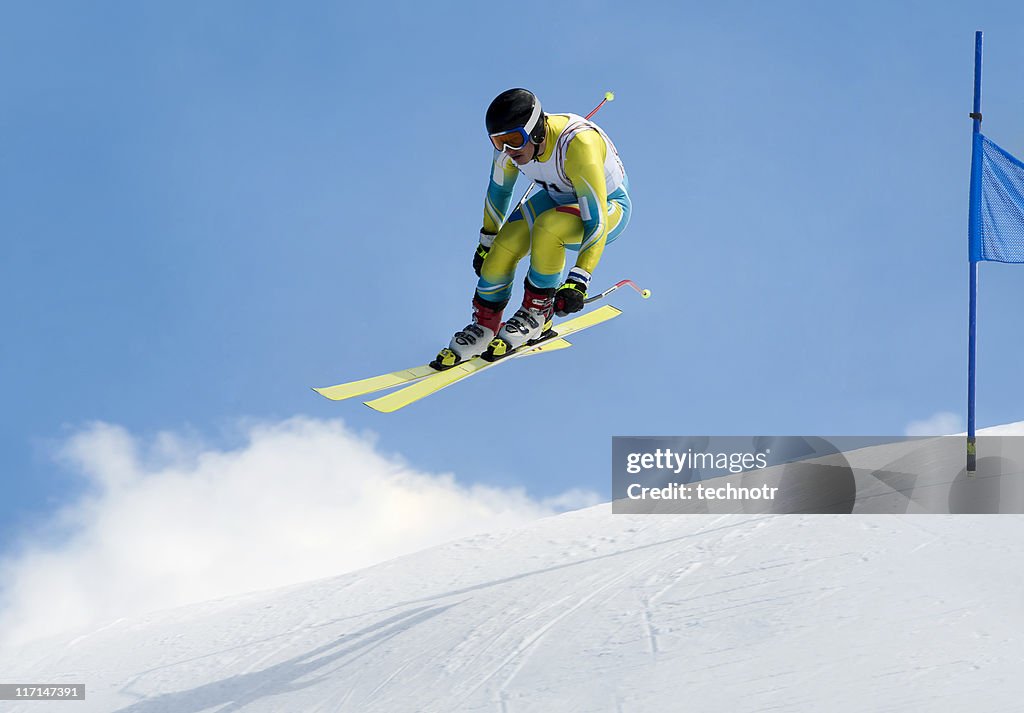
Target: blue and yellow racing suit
x,y
583,205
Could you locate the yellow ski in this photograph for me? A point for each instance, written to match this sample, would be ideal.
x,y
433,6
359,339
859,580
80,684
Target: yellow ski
x,y
435,382
340,392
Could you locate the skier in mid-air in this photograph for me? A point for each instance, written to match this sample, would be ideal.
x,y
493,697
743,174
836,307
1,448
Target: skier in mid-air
x,y
583,205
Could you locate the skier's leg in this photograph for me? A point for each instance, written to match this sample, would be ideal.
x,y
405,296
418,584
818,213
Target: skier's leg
x,y
561,228
554,230
493,290
511,244
530,321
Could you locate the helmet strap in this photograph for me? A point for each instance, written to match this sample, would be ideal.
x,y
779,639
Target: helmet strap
x,y
536,144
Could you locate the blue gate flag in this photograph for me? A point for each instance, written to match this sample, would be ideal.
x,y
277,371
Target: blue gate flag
x,y
997,207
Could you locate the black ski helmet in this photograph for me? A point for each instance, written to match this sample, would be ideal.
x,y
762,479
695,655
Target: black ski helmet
x,y
516,108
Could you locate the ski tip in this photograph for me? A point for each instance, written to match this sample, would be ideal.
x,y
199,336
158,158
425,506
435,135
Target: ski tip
x,y
379,408
325,391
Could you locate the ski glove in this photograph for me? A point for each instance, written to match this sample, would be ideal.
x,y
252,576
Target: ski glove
x,y
569,297
486,239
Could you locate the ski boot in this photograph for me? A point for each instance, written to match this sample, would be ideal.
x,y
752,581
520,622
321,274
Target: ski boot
x,y
473,339
528,325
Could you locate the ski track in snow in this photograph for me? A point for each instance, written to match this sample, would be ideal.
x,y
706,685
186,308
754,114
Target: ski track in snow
x,y
590,612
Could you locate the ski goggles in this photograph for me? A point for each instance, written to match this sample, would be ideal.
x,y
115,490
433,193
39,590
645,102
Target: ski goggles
x,y
514,139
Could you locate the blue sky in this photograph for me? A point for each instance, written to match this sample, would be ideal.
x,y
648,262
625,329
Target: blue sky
x,y
210,207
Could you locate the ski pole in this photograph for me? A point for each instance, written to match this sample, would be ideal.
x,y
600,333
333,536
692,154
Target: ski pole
x,y
621,283
608,96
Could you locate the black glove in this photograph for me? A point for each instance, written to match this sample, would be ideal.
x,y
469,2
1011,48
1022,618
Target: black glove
x,y
571,294
569,298
486,239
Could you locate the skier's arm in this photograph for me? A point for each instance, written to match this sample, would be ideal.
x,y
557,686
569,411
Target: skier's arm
x,y
584,165
499,191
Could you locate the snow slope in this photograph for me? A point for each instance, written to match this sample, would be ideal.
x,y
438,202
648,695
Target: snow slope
x,y
593,612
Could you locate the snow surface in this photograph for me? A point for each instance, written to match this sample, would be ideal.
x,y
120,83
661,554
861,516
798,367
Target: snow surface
x,y
593,612
590,611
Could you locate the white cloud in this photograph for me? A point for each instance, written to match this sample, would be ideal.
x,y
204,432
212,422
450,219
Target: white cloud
x,y
171,522
943,423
